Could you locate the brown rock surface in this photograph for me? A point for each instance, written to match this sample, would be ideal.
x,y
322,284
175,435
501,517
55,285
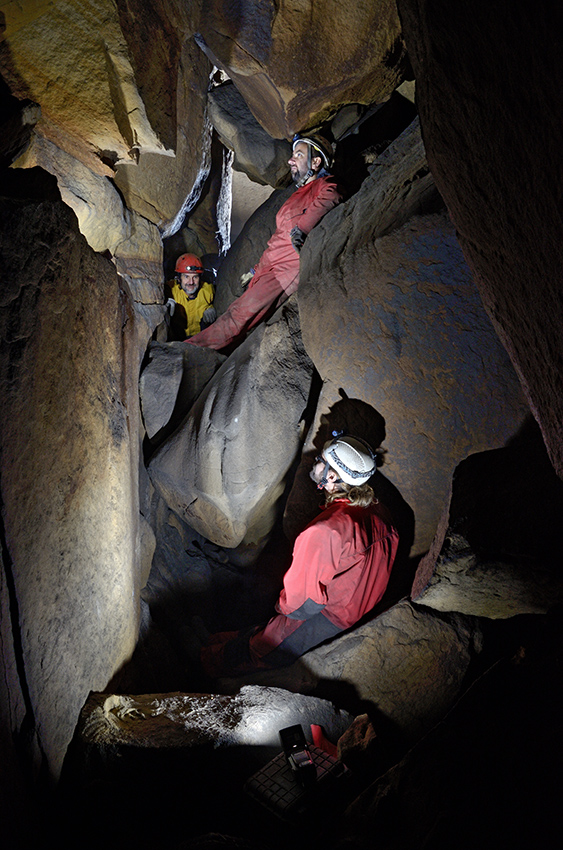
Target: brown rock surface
x,y
390,315
69,469
73,60
497,552
296,64
408,663
490,99
223,470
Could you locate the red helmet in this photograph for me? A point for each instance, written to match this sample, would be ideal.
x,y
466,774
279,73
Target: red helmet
x,y
188,263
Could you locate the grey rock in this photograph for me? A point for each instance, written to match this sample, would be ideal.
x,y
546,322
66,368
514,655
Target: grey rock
x,y
172,380
260,156
409,662
224,469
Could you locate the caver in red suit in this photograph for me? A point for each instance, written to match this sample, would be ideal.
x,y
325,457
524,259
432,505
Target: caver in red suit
x,y
277,274
340,568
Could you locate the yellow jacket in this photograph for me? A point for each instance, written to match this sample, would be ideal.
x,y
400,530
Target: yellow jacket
x,y
194,308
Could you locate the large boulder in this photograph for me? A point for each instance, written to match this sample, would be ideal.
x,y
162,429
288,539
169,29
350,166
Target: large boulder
x,y
264,159
69,436
295,65
390,315
494,155
497,552
224,469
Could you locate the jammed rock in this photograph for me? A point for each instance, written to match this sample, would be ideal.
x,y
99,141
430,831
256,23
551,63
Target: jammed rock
x,y
224,469
264,159
172,380
497,552
390,315
296,65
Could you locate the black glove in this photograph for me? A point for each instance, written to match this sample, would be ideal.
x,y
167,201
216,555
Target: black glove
x,y
297,238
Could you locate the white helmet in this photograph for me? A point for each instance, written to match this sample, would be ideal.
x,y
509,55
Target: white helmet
x,y
351,458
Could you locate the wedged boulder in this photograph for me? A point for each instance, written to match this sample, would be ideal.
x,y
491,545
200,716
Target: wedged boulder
x,y
497,552
390,315
264,159
224,469
408,663
172,380
296,65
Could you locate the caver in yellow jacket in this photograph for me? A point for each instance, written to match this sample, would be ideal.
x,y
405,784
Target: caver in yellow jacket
x,y
194,308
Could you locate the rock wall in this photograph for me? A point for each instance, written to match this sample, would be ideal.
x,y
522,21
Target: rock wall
x,y
69,439
490,99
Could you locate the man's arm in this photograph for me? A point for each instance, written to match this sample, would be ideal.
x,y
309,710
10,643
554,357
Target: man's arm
x,y
327,198
316,558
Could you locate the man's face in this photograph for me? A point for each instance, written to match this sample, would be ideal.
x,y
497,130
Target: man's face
x,y
189,283
298,162
317,472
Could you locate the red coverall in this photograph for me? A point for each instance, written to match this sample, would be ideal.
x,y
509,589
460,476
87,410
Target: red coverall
x,y
277,273
339,571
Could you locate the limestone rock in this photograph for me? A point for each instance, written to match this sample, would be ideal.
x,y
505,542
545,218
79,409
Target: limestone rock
x,y
223,470
69,438
408,662
251,718
172,380
264,159
390,315
498,552
95,92
295,65
503,200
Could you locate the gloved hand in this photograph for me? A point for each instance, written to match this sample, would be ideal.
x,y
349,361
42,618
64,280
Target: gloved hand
x,y
297,238
246,278
171,304
209,315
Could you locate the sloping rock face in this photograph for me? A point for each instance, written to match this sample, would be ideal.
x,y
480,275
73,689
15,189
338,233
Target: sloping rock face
x,y
408,664
390,315
98,103
497,552
296,64
69,437
223,470
488,151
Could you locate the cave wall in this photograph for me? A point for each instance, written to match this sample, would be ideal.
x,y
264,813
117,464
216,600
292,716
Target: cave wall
x,y
69,436
489,96
113,105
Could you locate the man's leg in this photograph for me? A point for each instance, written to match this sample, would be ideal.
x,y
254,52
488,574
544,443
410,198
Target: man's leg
x,y
252,307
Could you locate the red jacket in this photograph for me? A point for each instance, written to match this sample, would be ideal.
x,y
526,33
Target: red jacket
x,y
304,208
341,564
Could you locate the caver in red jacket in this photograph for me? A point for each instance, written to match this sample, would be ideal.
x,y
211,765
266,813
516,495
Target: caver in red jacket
x,y
277,274
340,568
